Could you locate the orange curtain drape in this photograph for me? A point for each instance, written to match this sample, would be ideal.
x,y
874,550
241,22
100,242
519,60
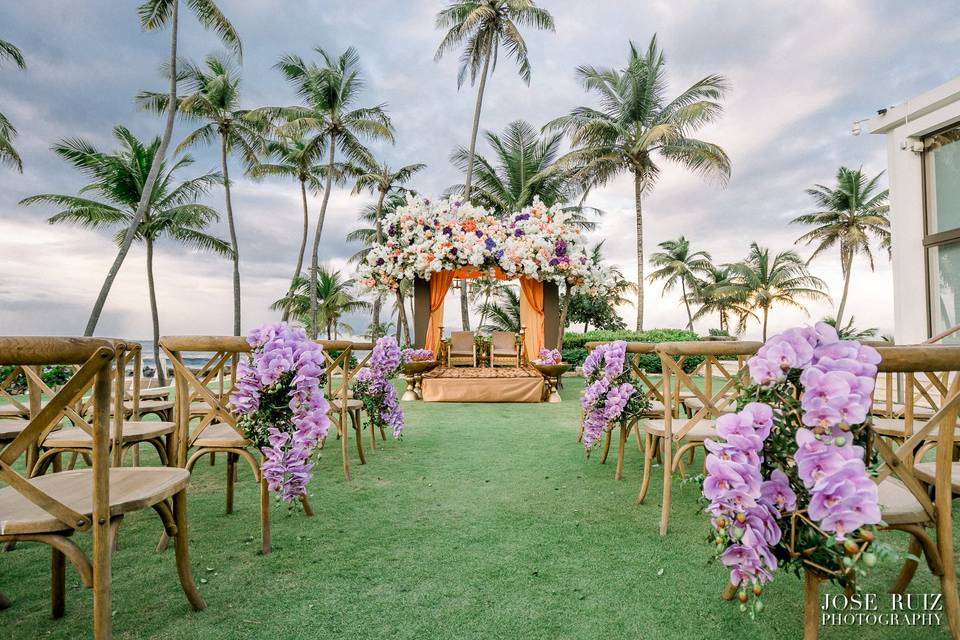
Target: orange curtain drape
x,y
531,315
439,285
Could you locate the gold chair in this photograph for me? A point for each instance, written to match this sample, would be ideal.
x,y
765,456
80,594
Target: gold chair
x,y
50,509
462,349
504,349
728,359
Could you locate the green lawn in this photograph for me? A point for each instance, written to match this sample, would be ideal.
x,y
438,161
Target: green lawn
x,y
485,521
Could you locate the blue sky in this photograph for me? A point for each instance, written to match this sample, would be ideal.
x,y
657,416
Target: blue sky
x,y
800,74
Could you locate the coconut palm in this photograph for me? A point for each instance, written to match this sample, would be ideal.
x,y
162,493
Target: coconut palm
x,y
766,281
503,314
213,98
851,332
637,126
335,298
299,157
852,215
330,90
9,155
481,291
384,180
716,292
481,26
677,264
154,15
118,177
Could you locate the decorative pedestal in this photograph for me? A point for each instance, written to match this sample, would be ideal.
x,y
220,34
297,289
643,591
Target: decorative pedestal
x,y
413,376
551,374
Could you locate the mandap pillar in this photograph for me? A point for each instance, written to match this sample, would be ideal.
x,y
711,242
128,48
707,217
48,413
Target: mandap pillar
x,y
551,316
421,311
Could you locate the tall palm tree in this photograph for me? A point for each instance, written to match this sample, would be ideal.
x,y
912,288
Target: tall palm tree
x,y
716,292
482,290
503,314
299,157
677,264
9,155
382,179
154,15
481,26
334,294
851,215
330,90
637,126
213,98
783,279
118,180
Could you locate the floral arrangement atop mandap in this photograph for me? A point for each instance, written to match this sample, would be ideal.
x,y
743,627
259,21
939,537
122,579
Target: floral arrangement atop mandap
x,y
612,395
426,236
278,397
372,386
789,484
416,355
549,356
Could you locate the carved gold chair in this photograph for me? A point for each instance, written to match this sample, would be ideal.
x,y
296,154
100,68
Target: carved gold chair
x,y
675,434
462,350
504,349
50,509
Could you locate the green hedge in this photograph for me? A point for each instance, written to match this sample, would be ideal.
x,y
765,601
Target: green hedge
x,y
575,350
53,376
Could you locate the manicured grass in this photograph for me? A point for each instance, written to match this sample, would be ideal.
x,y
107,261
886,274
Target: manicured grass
x,y
485,521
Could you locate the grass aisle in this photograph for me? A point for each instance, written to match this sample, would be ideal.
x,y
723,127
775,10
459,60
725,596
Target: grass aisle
x,y
485,522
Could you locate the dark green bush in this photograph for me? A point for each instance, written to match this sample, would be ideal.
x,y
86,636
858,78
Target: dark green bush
x,y
54,376
575,350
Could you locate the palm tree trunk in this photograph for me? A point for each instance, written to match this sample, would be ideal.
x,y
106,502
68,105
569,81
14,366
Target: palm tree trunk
x,y
402,318
148,184
564,307
303,246
637,195
233,233
314,257
379,235
155,317
847,268
586,325
766,311
683,289
483,309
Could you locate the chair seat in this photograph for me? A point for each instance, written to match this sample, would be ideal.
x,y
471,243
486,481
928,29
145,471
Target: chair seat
x,y
147,406
898,505
351,404
919,411
12,411
702,430
927,472
462,354
219,434
156,393
10,429
132,432
695,404
505,352
655,409
897,427
131,489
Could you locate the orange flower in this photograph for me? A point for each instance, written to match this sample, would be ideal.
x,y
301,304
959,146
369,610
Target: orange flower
x,y
469,224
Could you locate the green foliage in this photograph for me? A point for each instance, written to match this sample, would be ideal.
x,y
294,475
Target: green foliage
x,y
273,411
53,376
575,350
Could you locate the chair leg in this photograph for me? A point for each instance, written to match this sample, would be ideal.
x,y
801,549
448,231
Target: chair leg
x,y
909,567
264,517
383,434
647,467
667,481
102,595
811,606
58,583
4,602
606,447
729,591
620,450
342,432
136,455
373,438
358,436
307,507
182,549
231,479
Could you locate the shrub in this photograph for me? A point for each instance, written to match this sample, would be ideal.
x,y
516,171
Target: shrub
x,y
53,376
575,350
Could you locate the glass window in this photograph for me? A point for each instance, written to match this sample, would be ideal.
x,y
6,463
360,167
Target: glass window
x,y
944,261
942,171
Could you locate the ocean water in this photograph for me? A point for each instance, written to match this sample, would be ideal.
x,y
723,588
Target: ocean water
x,y
192,360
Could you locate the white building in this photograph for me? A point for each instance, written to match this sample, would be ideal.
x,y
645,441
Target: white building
x,y
923,156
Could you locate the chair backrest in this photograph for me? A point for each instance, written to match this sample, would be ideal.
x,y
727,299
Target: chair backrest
x,y
940,366
653,389
94,357
726,360
195,384
503,341
461,341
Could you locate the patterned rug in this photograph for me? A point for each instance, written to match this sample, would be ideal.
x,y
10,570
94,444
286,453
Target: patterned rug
x,y
484,372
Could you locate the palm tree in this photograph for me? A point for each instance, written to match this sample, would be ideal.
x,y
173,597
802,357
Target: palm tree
x,y
676,263
850,332
482,26
335,299
9,155
716,292
330,91
522,169
765,282
484,289
636,126
383,180
118,179
504,313
295,156
577,305
851,215
212,97
154,15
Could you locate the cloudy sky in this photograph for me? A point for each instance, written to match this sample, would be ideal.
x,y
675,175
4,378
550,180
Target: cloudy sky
x,y
801,73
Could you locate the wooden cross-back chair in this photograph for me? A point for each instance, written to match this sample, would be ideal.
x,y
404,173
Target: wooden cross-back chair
x,y
905,486
725,360
125,434
50,509
216,429
652,389
345,410
13,408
